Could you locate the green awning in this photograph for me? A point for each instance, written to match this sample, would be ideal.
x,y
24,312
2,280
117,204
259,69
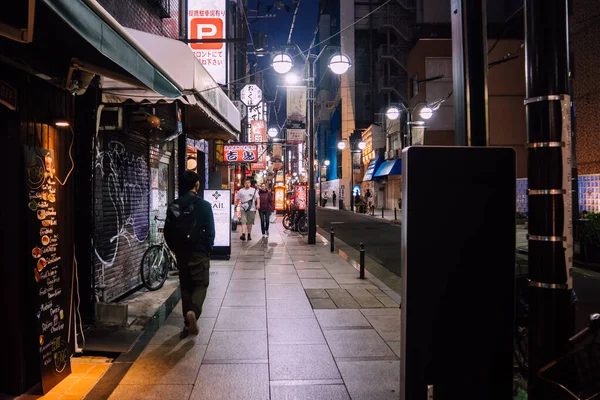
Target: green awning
x,y
111,39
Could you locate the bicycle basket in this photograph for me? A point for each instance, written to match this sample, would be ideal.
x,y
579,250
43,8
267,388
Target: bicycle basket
x,y
576,375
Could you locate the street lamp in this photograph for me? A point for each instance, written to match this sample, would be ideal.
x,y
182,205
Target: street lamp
x,y
357,144
426,112
338,64
272,132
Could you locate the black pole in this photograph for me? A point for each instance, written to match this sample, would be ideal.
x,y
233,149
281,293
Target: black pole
x,y
395,215
548,107
382,212
312,212
469,66
351,180
331,239
362,261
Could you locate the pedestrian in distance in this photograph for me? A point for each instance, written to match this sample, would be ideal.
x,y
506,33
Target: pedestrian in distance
x,y
368,197
248,202
190,232
267,206
333,197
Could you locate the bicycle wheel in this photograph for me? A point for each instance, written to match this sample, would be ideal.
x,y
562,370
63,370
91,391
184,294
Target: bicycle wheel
x,y
287,222
155,267
302,225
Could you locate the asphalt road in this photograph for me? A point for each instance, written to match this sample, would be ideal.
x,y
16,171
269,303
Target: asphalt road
x,y
381,239
382,244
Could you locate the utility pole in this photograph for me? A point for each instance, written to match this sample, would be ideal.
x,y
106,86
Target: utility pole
x,y
469,67
548,106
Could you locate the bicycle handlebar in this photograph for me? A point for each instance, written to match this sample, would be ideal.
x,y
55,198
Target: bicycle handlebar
x,y
592,328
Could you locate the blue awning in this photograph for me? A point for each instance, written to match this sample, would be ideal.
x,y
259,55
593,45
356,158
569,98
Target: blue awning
x,y
371,168
390,167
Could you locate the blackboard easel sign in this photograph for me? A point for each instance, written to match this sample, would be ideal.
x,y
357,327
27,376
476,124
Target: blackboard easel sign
x,y
45,267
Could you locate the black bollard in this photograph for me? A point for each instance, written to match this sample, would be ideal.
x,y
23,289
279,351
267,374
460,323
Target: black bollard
x,y
395,216
331,238
362,261
382,212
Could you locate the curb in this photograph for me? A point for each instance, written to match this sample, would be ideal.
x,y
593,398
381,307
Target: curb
x,y
368,216
372,267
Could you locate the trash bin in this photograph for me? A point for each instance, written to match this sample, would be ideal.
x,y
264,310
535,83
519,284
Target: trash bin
x,y
341,203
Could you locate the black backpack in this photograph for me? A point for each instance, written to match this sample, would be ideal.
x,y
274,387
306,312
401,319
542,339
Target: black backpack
x,y
180,227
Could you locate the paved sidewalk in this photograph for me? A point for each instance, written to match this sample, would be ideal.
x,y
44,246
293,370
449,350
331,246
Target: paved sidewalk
x,y
261,337
388,215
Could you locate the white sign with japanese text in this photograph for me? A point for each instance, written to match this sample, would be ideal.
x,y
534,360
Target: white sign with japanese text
x,y
220,202
206,20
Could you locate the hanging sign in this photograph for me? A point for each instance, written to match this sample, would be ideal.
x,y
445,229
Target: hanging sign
x,y
251,95
258,131
50,289
240,153
220,202
295,136
296,107
206,20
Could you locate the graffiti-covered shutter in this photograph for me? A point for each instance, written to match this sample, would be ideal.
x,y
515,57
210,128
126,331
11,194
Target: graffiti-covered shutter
x,y
121,211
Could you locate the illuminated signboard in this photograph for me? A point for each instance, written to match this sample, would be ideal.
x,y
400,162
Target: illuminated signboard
x,y
258,129
240,153
206,20
300,196
279,198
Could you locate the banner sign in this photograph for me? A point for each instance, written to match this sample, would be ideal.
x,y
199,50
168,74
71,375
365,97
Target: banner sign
x,y
240,153
295,136
258,132
296,107
300,196
50,289
206,20
220,202
279,198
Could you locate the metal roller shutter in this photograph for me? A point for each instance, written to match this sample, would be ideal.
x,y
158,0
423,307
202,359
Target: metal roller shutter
x,y
122,182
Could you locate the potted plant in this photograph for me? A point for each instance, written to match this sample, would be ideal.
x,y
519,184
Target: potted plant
x,y
589,236
361,207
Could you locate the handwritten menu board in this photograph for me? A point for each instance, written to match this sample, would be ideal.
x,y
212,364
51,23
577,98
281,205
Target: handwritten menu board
x,y
44,261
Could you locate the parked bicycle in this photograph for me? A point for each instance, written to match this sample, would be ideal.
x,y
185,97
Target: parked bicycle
x,y
157,261
295,220
576,375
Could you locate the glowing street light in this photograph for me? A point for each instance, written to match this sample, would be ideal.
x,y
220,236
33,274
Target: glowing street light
x,y
326,162
426,113
282,63
392,113
272,132
339,64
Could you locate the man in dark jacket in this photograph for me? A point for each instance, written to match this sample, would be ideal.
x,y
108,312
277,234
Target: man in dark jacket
x,y
194,265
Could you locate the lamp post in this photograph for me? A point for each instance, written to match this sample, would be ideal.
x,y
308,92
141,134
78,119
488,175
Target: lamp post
x,y
338,64
356,146
426,112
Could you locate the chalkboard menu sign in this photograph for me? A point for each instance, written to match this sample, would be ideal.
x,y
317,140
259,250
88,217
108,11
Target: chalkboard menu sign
x,y
50,291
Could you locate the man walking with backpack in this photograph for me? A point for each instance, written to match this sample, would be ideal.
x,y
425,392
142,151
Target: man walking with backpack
x,y
190,232
249,201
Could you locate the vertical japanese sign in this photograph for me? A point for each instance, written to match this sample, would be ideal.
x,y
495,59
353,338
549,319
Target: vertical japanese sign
x,y
300,196
279,198
258,132
296,107
50,290
220,202
206,20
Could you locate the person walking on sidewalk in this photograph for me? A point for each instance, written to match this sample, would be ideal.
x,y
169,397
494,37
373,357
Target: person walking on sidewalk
x,y
333,197
190,232
248,201
267,206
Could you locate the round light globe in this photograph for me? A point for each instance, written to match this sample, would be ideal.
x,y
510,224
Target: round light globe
x,y
362,145
272,132
326,162
426,113
341,145
282,63
392,113
339,64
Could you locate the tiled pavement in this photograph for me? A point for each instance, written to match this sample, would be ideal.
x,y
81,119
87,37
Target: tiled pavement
x,y
260,338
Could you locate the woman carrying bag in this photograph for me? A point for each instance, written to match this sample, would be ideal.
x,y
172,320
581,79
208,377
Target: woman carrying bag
x,y
267,206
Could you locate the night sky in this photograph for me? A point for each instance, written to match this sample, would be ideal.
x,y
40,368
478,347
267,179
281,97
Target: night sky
x,y
277,30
